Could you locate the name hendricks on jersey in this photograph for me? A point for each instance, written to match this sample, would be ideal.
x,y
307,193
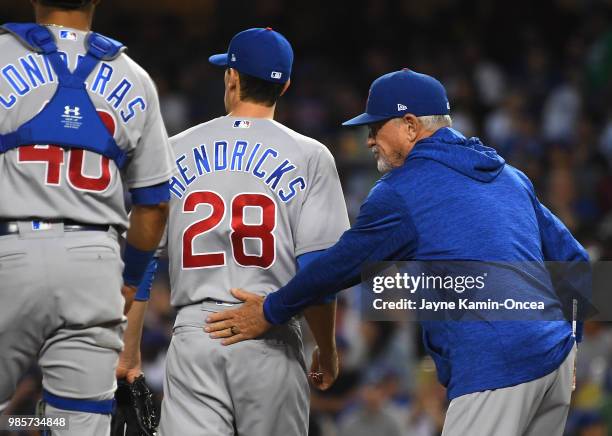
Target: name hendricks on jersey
x,y
260,161
34,70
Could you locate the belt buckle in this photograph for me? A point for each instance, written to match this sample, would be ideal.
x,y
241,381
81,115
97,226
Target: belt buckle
x,y
41,225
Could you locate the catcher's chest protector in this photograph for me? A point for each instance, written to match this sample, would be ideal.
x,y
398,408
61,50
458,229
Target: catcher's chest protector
x,y
69,119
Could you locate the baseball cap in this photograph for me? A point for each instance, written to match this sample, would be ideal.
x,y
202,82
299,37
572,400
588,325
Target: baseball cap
x,y
403,92
258,52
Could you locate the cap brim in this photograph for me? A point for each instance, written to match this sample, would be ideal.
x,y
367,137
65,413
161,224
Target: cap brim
x,y
219,60
365,118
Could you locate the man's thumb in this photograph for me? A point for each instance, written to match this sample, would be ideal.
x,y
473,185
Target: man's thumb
x,y
240,294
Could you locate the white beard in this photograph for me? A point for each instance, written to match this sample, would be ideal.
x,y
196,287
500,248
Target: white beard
x,y
383,165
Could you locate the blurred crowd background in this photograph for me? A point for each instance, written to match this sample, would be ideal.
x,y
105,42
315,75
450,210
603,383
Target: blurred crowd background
x,y
532,79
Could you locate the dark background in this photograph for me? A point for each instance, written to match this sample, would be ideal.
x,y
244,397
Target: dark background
x,y
532,79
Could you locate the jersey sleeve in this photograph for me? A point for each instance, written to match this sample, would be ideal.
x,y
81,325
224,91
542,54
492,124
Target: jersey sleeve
x,y
383,231
323,217
151,161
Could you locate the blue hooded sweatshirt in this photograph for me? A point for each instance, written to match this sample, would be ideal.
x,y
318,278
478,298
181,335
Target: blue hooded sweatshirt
x,y
454,199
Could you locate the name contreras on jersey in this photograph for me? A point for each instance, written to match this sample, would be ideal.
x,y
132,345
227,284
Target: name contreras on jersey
x,y
34,70
260,161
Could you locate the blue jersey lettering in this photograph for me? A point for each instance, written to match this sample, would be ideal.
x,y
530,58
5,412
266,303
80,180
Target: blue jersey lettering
x,y
239,151
201,159
33,71
257,170
119,93
220,157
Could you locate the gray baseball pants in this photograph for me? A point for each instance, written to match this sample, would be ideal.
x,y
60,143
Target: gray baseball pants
x,y
61,304
254,388
535,408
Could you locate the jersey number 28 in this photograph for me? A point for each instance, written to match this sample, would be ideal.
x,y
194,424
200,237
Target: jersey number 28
x,y
240,231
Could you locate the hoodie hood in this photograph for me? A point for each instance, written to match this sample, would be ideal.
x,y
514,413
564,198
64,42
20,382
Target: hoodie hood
x,y
469,157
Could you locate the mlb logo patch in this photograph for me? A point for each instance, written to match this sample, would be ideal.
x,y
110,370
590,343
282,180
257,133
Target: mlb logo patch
x,y
40,225
242,124
276,75
401,107
69,35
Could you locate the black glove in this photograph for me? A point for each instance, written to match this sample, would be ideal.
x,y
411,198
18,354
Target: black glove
x,y
135,414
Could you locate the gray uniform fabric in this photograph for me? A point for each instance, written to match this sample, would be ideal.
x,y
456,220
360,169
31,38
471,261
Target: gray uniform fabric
x,y
313,219
218,239
60,303
254,388
536,408
60,299
32,188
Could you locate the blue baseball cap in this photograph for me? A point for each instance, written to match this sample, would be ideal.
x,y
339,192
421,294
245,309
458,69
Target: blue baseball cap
x,y
258,52
403,92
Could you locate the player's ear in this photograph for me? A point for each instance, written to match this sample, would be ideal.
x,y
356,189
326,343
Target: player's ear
x,y
233,79
286,87
411,126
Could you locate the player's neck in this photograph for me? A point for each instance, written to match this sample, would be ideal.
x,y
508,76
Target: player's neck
x,y
78,19
252,110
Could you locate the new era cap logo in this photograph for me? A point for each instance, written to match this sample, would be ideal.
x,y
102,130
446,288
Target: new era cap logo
x,y
401,107
276,75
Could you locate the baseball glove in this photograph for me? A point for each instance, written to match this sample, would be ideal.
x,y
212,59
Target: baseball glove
x,y
135,414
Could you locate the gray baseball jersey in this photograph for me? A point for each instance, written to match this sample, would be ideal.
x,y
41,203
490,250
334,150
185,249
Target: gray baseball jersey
x,y
250,195
67,283
45,181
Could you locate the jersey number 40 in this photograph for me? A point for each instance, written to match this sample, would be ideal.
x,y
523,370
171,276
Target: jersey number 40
x,y
240,231
53,156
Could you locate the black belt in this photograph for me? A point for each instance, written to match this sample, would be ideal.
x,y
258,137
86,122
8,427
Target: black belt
x,y
12,228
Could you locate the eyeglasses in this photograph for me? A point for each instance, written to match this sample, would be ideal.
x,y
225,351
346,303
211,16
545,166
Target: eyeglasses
x,y
375,127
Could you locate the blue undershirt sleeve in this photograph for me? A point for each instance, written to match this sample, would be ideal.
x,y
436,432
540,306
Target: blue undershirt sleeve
x,y
151,195
143,292
383,231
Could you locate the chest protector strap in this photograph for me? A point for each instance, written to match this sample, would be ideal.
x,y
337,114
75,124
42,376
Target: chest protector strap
x,y
69,119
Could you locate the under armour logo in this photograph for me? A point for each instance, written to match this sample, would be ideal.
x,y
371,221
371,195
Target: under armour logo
x,y
72,111
401,107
